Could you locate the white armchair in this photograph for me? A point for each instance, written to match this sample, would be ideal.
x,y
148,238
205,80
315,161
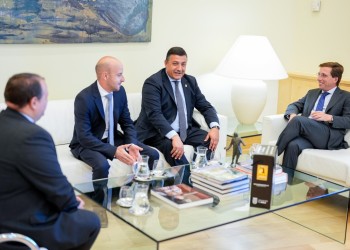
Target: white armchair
x,y
333,165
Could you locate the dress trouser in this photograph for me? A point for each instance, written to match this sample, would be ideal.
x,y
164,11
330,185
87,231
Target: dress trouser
x,y
301,133
100,166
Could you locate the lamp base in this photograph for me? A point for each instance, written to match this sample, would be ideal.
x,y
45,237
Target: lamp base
x,y
248,99
243,130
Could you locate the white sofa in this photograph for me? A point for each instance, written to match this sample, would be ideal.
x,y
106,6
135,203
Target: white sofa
x,y
59,121
333,165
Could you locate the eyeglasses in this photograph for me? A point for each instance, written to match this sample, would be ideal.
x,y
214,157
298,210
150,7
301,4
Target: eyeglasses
x,y
322,75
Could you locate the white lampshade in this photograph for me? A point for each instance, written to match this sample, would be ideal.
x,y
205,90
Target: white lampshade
x,y
249,62
252,57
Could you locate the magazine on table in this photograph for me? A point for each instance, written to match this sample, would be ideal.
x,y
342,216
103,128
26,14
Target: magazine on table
x,y
182,196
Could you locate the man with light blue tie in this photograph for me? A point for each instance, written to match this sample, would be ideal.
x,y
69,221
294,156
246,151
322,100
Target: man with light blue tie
x,y
323,120
169,98
98,109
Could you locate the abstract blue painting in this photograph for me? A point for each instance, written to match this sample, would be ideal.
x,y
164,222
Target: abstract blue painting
x,y
75,21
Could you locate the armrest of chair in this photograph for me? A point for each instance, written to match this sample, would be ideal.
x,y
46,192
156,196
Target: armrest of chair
x,y
15,237
272,127
221,152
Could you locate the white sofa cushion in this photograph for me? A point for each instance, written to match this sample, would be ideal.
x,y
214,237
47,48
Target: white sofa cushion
x,y
134,104
330,164
58,120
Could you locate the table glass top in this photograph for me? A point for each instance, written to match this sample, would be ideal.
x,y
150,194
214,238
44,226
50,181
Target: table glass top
x,y
166,222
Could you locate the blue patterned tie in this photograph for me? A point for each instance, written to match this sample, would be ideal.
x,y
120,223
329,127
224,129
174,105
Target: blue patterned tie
x,y
110,118
320,103
181,111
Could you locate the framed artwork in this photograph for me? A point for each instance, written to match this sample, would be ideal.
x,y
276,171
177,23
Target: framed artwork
x,y
75,21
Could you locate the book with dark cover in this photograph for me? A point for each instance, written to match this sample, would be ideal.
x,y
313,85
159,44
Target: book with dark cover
x,y
182,196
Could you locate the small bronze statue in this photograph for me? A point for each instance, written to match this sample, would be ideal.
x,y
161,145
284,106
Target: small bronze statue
x,y
236,142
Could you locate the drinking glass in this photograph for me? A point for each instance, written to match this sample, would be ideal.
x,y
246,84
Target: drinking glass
x,y
143,169
158,168
126,196
253,149
215,158
201,157
140,204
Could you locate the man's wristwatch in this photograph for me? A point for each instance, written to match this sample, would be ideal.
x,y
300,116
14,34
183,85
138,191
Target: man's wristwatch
x,y
216,126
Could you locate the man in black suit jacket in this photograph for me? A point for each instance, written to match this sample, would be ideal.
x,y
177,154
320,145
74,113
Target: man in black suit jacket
x,y
320,128
158,124
35,197
90,142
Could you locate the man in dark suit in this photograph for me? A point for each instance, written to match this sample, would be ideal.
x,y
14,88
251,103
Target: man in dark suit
x,y
160,121
91,141
36,199
325,116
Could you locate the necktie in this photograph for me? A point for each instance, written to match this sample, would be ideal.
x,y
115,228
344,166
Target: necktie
x,y
181,111
320,103
110,118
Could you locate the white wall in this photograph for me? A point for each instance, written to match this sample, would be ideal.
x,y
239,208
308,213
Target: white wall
x,y
320,36
206,29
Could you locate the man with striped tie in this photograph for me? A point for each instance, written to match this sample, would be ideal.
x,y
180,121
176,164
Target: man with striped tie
x,y
168,100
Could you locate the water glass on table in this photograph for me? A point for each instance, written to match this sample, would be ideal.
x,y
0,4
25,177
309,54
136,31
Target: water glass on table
x,y
201,157
158,168
126,196
143,169
140,204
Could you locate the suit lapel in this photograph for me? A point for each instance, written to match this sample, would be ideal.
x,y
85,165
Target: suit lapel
x,y
187,93
98,100
168,87
335,97
313,99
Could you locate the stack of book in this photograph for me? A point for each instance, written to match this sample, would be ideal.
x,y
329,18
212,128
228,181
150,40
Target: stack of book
x,y
280,178
245,167
224,183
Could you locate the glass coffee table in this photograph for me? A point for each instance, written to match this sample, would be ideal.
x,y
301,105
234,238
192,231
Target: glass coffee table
x,y
311,202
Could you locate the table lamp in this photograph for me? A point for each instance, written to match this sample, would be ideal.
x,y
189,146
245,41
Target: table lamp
x,y
250,61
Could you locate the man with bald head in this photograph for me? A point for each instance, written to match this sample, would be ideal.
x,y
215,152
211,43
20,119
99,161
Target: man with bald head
x,y
91,141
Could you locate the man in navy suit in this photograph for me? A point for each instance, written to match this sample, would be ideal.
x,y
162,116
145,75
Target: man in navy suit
x,y
90,142
36,199
159,122
325,116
